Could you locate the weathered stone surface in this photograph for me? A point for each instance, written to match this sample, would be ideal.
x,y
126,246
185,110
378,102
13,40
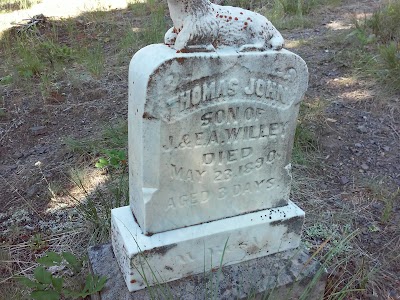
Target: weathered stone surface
x,y
167,256
210,134
285,275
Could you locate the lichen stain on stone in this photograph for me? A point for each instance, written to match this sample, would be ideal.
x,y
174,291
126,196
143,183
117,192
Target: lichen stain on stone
x,y
168,268
253,249
148,116
180,60
159,250
293,224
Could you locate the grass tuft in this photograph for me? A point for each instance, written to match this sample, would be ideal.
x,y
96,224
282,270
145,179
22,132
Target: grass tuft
x,y
379,38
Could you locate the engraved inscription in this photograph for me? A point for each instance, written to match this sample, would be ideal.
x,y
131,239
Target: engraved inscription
x,y
188,200
232,131
266,89
187,175
226,151
208,92
246,188
203,93
228,156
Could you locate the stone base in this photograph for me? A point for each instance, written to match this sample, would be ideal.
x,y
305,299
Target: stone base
x,y
150,260
286,275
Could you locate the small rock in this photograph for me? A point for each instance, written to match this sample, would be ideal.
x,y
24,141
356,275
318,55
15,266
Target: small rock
x,y
28,227
344,180
33,190
41,150
56,269
362,129
364,166
358,145
377,205
38,130
18,155
394,294
386,148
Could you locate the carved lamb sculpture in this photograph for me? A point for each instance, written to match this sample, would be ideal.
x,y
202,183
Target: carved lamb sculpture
x,y
200,24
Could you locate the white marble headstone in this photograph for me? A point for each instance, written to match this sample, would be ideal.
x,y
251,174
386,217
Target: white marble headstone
x,y
210,134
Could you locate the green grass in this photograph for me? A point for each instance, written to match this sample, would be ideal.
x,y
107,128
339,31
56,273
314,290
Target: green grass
x,y
305,145
376,51
95,205
305,140
45,56
155,25
11,5
285,14
93,59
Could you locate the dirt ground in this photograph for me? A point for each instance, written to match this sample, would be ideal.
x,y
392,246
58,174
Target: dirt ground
x,y
353,173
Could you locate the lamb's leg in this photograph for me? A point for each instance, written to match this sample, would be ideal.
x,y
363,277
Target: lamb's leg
x,y
252,47
170,37
182,39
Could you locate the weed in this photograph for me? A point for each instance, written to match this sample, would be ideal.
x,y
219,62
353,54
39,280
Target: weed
x,y
127,46
305,143
384,23
115,159
142,8
247,4
96,206
54,52
29,64
380,37
6,79
46,286
3,113
297,7
155,27
49,186
37,243
93,59
386,197
390,64
113,137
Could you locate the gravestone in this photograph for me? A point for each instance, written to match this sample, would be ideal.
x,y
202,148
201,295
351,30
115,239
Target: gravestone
x,y
212,117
